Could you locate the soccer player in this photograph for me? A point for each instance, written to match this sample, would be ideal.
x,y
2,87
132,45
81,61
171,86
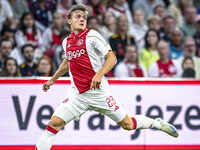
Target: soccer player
x,y
85,49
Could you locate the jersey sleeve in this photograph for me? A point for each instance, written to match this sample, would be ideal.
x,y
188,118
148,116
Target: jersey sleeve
x,y
99,43
64,46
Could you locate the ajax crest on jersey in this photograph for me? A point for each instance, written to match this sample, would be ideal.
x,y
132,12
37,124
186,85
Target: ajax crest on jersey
x,y
172,69
80,42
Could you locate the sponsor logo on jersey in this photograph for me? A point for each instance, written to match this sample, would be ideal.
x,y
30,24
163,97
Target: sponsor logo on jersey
x,y
80,42
74,54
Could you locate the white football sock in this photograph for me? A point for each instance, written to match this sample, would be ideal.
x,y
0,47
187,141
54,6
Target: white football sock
x,y
46,140
144,122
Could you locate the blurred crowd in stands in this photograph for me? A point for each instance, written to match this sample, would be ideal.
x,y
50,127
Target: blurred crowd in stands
x,y
150,38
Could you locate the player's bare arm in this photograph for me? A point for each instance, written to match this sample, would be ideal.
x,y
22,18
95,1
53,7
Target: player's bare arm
x,y
64,68
111,61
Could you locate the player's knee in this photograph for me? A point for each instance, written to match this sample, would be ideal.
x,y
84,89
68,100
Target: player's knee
x,y
57,125
53,124
127,126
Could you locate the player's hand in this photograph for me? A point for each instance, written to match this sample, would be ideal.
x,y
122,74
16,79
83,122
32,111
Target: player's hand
x,y
46,85
96,80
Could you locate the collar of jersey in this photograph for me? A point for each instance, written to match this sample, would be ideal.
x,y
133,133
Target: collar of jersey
x,y
80,34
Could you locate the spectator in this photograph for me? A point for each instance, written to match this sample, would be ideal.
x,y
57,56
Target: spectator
x,y
188,73
130,67
138,29
64,6
57,54
121,39
188,63
188,27
119,7
10,68
45,67
196,36
51,34
42,11
149,54
169,24
28,67
93,23
5,50
176,47
97,9
147,6
188,67
109,25
160,11
28,33
189,51
164,67
154,22
177,10
18,8
6,17
8,33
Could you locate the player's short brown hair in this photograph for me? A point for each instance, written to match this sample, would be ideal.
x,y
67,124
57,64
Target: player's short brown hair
x,y
78,7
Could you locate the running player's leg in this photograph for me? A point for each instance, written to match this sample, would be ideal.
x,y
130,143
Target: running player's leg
x,y
143,122
60,118
139,122
109,106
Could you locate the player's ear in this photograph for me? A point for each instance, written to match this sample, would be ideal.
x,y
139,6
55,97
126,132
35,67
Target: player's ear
x,y
69,21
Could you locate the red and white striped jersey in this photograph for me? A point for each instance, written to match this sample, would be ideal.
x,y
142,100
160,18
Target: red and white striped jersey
x,y
85,52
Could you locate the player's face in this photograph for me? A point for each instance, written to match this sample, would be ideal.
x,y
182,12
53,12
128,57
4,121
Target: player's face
x,y
78,20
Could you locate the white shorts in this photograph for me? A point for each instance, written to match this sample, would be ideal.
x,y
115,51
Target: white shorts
x,y
98,100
